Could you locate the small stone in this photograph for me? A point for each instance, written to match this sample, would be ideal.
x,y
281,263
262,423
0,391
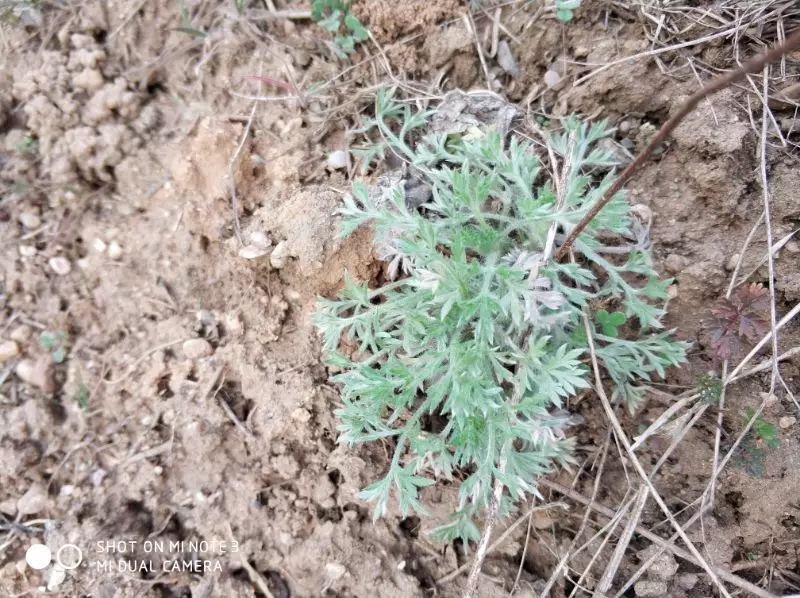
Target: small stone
x,y
37,373
33,501
27,250
83,263
301,415
8,350
647,587
66,490
97,477
580,52
279,255
792,247
99,245
259,238
337,160
506,59
30,220
21,333
787,422
552,78
197,348
252,252
114,250
8,507
672,291
730,265
687,581
60,265
334,571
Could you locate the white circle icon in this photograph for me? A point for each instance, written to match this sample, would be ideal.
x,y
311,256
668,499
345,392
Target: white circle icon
x,y
69,556
38,556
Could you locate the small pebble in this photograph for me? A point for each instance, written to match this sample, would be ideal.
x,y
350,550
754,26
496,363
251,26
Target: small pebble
x,y
334,571
792,247
552,78
506,59
37,373
252,252
8,350
83,263
787,422
99,245
197,348
114,250
730,265
672,291
60,265
674,263
279,255
21,333
27,250
30,220
337,160
769,399
688,580
33,501
259,238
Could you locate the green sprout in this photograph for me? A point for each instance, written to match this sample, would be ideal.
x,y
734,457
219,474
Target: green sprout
x,y
335,16
56,343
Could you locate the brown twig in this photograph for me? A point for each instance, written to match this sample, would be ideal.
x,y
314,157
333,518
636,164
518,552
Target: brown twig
x,y
754,65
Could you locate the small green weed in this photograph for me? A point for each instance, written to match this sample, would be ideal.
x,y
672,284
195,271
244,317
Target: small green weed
x,y
565,9
56,343
485,329
186,24
28,145
335,16
710,388
753,450
82,396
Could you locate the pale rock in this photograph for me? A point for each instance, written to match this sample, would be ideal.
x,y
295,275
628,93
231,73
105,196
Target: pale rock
x,y
33,501
792,247
37,373
252,252
787,422
8,350
674,263
83,263
21,334
114,250
99,245
687,581
60,265
279,255
730,265
552,78
334,571
337,160
197,348
27,250
30,220
301,415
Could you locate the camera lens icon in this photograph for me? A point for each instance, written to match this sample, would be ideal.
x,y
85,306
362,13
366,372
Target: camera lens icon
x,y
68,557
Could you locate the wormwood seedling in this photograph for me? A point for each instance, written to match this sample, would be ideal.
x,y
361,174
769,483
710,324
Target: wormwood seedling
x,y
485,329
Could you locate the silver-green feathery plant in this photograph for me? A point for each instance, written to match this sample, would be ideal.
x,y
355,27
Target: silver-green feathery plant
x,y
486,330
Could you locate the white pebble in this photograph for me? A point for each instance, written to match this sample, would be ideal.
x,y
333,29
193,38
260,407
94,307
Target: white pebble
x,y
60,265
33,501
99,245
552,78
21,333
197,348
259,238
251,252
787,422
114,250
8,350
27,250
279,255
30,220
337,160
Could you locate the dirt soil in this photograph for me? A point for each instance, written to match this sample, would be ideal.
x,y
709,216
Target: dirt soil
x,y
157,386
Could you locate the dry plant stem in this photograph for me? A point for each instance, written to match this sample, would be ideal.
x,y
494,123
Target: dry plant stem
x,y
622,546
563,562
752,66
623,439
768,223
234,197
666,544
